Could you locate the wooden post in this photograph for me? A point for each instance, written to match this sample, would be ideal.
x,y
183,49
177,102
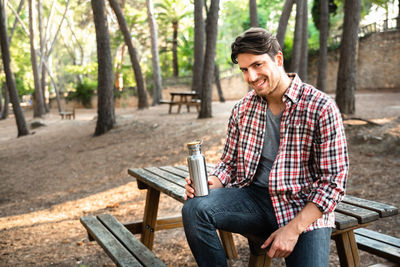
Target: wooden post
x,y
150,217
228,244
347,249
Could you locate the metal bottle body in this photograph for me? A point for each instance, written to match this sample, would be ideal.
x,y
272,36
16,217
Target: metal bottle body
x,y
197,170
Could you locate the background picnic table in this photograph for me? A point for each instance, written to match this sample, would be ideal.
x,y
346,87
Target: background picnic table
x,y
68,174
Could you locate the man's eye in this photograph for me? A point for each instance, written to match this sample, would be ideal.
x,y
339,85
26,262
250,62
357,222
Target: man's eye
x,y
258,65
243,70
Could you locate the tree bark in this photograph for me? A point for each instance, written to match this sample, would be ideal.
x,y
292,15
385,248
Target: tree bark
x,y
303,70
141,87
253,13
4,112
105,106
157,80
42,44
346,81
209,60
283,22
10,80
199,34
175,49
218,83
323,44
297,40
38,107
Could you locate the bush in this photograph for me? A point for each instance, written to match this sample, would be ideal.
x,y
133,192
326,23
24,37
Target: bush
x,y
83,93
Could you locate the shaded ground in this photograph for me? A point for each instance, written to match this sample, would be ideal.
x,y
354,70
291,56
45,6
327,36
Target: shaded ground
x,y
54,176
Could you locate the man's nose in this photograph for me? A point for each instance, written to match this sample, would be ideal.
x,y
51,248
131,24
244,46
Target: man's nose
x,y
252,75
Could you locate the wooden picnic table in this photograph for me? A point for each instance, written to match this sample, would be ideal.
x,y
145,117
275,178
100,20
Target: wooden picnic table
x,y
351,213
185,98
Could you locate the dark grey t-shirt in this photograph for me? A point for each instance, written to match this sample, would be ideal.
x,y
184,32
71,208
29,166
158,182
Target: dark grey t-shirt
x,y
270,149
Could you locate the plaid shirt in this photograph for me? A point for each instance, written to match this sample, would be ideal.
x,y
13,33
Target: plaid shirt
x,y
312,161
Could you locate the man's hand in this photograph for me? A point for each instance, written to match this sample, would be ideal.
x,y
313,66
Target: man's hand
x,y
282,242
284,239
213,182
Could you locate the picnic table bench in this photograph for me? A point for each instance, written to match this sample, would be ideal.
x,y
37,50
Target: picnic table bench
x,y
120,244
186,98
352,216
67,114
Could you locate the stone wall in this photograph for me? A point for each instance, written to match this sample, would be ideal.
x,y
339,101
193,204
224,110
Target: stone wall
x,y
378,63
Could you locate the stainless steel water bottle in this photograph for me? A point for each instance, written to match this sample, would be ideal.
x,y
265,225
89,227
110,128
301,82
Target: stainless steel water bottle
x,y
197,169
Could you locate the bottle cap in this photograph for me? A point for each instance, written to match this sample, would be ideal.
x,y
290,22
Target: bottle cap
x,y
194,143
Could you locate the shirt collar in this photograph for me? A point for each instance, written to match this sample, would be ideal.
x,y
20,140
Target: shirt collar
x,y
293,92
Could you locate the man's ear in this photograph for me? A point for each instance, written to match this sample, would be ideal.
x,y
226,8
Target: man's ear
x,y
279,59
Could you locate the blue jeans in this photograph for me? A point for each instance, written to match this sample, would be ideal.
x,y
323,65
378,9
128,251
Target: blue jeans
x,y
247,211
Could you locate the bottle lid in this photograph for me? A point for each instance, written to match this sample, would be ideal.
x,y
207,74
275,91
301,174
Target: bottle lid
x,y
194,143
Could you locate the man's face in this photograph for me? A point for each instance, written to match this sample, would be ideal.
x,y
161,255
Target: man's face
x,y
261,72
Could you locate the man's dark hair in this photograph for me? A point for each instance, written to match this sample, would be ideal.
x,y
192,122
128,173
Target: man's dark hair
x,y
255,41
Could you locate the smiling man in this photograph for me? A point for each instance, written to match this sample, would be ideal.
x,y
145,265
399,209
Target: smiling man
x,y
283,169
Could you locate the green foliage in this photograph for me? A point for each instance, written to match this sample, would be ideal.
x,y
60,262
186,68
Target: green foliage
x,y
87,70
83,92
315,11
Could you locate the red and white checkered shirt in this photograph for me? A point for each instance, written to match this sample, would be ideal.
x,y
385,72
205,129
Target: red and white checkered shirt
x,y
312,161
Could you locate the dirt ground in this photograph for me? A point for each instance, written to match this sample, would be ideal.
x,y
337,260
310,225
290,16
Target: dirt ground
x,y
60,172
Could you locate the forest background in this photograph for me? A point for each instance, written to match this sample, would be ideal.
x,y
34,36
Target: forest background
x,y
60,172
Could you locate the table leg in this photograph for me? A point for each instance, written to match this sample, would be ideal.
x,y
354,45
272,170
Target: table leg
x,y
180,104
347,249
150,217
187,104
171,104
228,244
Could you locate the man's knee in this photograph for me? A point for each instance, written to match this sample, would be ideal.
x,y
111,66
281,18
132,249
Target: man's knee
x,y
194,208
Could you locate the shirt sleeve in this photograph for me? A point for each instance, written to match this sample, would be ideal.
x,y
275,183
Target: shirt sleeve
x,y
226,167
331,160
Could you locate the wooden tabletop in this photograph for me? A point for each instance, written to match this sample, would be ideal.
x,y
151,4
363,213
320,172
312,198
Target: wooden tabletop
x,y
184,93
352,211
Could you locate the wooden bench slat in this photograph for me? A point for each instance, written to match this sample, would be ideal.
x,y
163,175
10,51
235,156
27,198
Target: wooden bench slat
x,y
141,252
384,210
393,241
378,248
118,253
363,215
171,189
344,221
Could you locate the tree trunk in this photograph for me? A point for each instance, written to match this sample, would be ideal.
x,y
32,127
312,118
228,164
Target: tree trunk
x,y
4,112
253,13
105,106
283,22
11,85
141,87
398,16
303,70
297,40
60,109
209,60
218,83
199,34
346,81
157,80
41,70
38,107
175,49
323,44
43,83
